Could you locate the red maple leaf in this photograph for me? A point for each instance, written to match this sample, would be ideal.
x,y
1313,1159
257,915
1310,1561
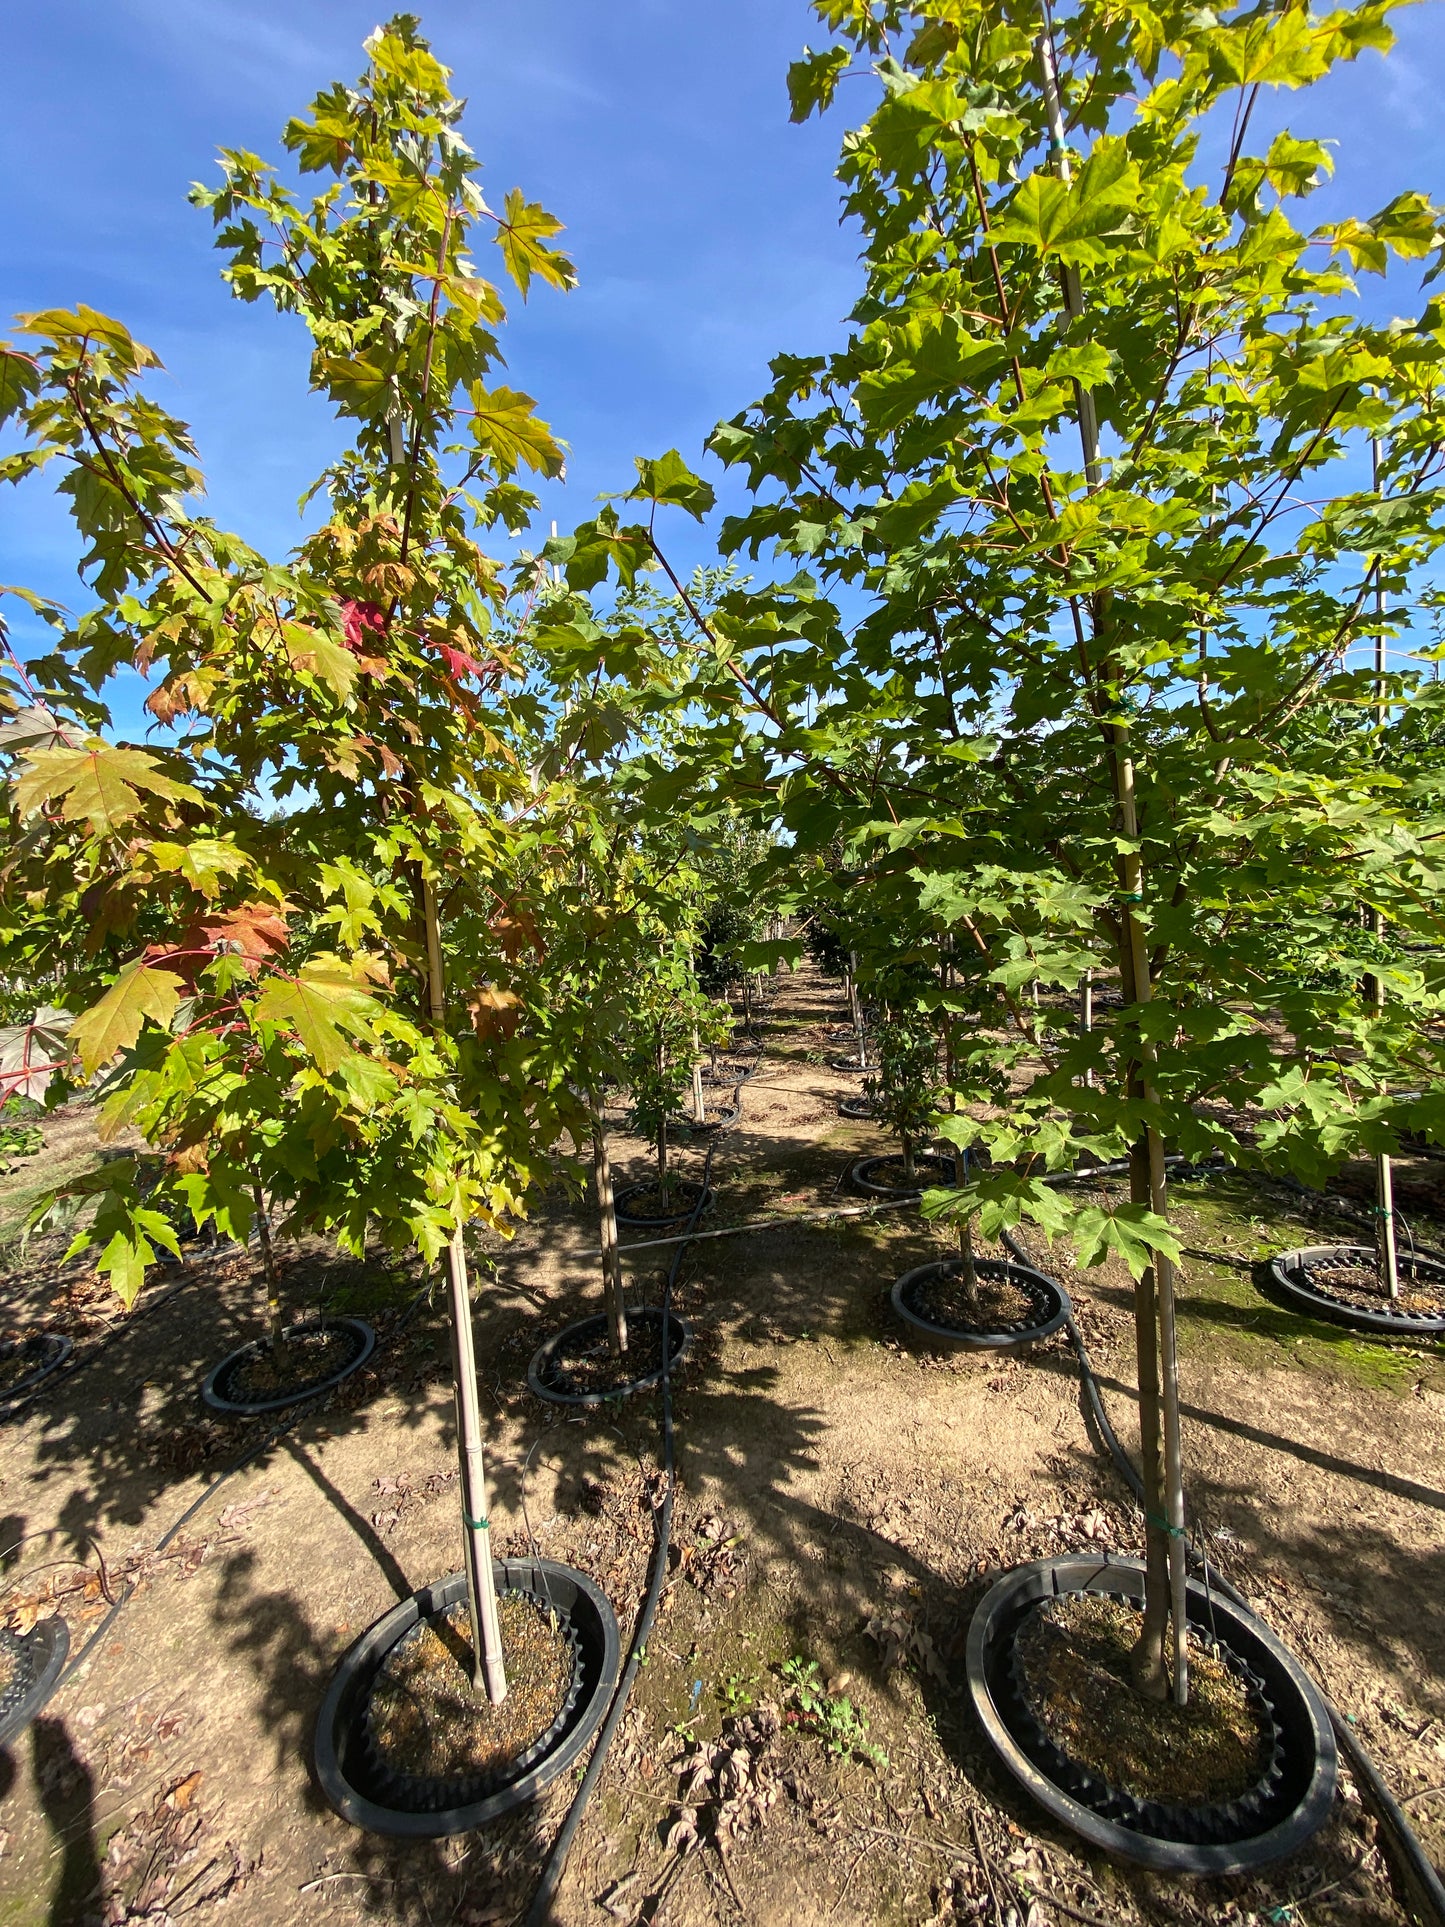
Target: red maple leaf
x,y
363,624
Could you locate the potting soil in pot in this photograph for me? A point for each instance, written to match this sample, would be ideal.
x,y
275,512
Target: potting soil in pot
x,y
998,1305
304,1359
650,1202
593,1368
1363,1286
11,1652
1074,1671
427,1719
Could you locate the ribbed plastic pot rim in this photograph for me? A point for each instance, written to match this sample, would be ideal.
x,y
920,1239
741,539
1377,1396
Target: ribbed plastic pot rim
x,y
60,1348
685,1186
983,1341
724,1115
1289,1274
47,1646
994,1622
339,1723
246,1408
850,1064
860,1181
542,1357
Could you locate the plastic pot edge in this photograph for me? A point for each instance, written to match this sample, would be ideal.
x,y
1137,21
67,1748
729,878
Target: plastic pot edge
x,y
1043,1578
354,1670
249,1408
592,1399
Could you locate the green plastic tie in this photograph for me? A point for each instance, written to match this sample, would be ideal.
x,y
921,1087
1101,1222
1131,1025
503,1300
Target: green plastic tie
x,y
477,1525
1175,1532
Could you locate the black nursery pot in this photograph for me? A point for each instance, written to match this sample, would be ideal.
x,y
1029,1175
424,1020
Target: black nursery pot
x,y
868,1179
400,1807
1292,1276
41,1353
1049,1307
689,1198
722,1117
40,1657
1285,1808
218,1390
548,1377
847,1064
858,1108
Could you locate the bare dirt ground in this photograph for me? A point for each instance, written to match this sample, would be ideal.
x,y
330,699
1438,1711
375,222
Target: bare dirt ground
x,y
844,1499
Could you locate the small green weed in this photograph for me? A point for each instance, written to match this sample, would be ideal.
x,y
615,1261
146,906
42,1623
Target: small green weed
x,y
733,1694
838,1723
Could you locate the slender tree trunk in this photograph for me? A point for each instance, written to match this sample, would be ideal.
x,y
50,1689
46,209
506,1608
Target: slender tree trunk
x,y
269,1270
1086,1015
488,1673
965,1248
855,1007
908,1160
607,1226
699,1109
1156,1340
1384,1175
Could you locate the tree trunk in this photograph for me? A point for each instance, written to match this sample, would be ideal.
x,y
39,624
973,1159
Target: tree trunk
x,y
855,1007
699,1109
1154,1299
488,1672
1086,1016
607,1225
908,1160
269,1270
965,1252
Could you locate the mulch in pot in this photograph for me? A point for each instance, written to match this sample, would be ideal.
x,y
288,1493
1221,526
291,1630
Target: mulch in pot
x,y
595,1367
649,1205
890,1172
1073,1669
426,1719
304,1359
998,1304
1364,1287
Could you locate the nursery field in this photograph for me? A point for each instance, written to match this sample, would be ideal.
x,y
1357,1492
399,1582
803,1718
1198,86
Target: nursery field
x,y
844,1499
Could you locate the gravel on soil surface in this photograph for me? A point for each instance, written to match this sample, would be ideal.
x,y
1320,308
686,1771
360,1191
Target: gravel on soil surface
x,y
428,1719
1074,1656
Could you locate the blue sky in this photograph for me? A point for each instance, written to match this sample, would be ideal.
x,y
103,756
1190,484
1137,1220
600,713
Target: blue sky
x,y
703,224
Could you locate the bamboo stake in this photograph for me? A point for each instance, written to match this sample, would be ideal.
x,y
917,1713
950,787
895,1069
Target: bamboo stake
x,y
855,1007
487,1669
607,1221
1384,1174
1086,1015
699,1109
1132,877
268,1267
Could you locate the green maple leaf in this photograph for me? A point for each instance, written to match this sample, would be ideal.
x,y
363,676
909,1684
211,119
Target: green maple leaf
x,y
140,991
505,423
204,864
669,479
315,1007
1071,218
522,234
99,784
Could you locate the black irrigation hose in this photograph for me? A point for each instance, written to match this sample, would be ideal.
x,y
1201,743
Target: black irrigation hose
x,y
228,1472
540,1911
1426,1889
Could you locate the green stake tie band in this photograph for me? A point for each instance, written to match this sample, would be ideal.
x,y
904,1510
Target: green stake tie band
x,y
1131,896
1175,1532
477,1525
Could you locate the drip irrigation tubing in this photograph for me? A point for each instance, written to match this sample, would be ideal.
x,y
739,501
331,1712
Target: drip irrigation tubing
x,y
1418,1871
540,1911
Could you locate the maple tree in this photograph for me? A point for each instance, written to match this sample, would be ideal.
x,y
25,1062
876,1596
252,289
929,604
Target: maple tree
x,y
298,903
1078,552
